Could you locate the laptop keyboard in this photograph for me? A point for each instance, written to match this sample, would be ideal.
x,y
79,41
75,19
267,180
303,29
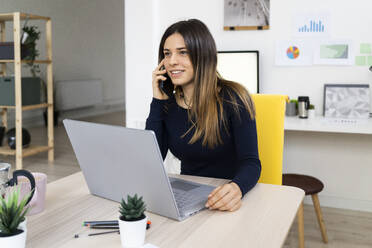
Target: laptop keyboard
x,y
186,200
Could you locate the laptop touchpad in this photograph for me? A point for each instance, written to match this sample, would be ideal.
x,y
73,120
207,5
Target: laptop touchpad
x,y
183,186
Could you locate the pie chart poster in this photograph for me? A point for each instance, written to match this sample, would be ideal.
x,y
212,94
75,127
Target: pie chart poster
x,y
293,53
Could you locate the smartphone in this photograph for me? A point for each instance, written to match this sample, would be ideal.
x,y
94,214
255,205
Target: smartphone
x,y
167,86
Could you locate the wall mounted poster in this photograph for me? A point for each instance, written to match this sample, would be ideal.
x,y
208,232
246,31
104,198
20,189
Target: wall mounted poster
x,y
293,53
306,24
334,53
246,14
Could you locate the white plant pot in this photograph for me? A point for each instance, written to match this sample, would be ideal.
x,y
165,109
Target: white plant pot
x,y
132,233
311,113
23,226
16,241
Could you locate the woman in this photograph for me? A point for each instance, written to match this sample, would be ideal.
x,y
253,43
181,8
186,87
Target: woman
x,y
208,122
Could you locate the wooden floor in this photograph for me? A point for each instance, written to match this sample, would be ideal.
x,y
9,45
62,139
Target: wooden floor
x,y
345,228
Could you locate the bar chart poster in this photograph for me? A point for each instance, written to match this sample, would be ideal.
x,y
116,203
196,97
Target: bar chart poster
x,y
315,24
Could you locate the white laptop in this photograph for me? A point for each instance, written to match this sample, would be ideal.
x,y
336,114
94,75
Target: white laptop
x,y
117,161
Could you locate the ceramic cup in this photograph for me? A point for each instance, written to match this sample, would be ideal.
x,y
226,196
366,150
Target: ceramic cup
x,y
37,202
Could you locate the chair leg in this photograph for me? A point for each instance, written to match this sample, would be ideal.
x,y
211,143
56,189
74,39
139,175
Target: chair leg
x,y
320,217
300,219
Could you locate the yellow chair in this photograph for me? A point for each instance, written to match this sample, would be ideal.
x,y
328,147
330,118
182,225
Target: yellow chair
x,y
270,110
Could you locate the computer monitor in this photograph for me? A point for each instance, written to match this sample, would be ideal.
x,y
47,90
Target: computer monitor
x,y
241,67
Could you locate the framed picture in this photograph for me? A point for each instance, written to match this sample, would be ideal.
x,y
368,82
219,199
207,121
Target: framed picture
x,y
246,14
351,101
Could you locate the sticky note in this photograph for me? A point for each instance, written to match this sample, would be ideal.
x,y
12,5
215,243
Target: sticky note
x,y
365,48
360,60
369,61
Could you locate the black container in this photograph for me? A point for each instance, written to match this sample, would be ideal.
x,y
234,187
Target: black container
x,y
303,106
7,50
2,131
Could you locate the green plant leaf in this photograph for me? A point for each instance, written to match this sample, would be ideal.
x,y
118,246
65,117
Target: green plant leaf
x,y
133,208
13,211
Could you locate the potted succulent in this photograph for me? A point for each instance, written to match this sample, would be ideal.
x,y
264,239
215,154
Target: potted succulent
x,y
132,221
291,108
12,220
311,111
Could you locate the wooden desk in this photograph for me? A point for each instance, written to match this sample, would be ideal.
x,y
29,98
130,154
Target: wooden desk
x,y
263,220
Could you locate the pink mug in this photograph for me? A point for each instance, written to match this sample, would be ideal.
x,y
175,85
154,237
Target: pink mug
x,y
37,203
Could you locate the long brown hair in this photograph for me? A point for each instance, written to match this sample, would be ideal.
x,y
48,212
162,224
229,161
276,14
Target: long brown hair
x,y
207,113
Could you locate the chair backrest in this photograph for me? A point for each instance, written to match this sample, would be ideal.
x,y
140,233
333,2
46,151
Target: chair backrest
x,y
270,110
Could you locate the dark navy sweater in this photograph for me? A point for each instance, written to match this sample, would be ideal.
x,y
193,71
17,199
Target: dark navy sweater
x,y
235,159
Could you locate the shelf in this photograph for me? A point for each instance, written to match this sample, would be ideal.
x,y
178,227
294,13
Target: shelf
x,y
9,17
26,61
328,125
15,18
31,150
29,107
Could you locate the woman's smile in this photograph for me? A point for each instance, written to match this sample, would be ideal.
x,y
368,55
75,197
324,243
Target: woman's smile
x,y
176,74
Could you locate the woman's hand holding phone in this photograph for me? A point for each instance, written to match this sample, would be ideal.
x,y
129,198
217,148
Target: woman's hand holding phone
x,y
159,75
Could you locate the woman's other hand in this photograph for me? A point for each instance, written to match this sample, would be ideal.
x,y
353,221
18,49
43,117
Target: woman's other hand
x,y
226,197
157,76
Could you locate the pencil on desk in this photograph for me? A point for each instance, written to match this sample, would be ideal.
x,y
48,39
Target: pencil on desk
x,y
112,227
106,222
94,234
112,224
116,227
104,227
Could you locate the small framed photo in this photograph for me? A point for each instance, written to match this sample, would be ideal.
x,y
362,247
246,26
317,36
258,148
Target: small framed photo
x,y
246,14
350,101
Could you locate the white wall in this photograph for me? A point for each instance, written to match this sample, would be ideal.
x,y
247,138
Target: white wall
x,y
141,17
88,43
140,58
343,167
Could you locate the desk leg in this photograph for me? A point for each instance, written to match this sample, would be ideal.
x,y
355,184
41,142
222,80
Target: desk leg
x,y
300,219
